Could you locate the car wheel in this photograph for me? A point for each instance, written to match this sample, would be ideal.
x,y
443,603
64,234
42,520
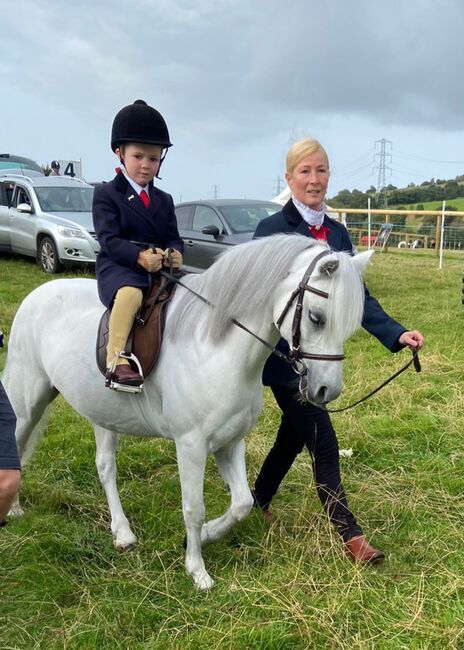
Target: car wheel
x,y
47,256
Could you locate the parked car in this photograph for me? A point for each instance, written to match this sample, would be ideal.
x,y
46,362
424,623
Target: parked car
x,y
210,227
47,217
16,164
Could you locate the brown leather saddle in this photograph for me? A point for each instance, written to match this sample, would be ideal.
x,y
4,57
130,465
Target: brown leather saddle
x,y
147,333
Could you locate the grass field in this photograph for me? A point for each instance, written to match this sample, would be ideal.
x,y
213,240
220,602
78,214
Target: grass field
x,y
287,585
437,205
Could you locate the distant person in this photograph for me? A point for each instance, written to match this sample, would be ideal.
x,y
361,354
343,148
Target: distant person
x,y
10,474
136,227
55,165
302,424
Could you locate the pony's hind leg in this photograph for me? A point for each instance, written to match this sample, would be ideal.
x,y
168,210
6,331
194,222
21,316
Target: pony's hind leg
x,y
191,459
231,464
107,442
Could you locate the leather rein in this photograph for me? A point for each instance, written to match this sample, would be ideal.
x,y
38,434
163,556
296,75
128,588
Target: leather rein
x,y
296,354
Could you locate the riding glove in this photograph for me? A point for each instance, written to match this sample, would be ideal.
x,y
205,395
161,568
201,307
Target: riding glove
x,y
176,258
151,260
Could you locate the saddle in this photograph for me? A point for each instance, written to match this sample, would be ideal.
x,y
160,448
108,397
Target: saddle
x,y
146,336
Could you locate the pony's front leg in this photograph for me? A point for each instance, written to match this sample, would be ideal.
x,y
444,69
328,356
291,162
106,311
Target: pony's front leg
x,y
191,459
107,442
231,464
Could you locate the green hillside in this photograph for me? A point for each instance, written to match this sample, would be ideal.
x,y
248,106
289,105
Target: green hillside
x,y
436,205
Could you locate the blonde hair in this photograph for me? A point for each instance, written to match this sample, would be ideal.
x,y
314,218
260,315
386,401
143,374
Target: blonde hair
x,y
300,150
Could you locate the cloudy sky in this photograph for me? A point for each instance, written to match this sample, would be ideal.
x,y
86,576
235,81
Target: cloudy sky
x,y
237,81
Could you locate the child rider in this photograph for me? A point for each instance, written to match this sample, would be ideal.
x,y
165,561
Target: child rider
x,y
136,227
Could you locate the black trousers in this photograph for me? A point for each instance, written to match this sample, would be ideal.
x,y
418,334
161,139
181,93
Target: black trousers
x,y
305,425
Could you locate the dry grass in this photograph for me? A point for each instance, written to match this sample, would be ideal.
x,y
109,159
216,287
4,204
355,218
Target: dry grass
x,y
287,585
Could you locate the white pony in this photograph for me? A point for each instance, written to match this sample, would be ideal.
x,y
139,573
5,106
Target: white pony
x,y
205,392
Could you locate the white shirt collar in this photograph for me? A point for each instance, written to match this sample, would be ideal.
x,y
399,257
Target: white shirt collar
x,y
312,217
138,188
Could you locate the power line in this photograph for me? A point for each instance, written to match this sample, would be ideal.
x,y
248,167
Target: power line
x,y
337,170
447,162
348,174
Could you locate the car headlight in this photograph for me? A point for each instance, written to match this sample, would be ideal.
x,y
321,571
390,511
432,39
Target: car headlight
x,y
71,232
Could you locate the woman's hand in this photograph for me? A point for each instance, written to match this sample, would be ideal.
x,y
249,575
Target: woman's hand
x,y
151,260
176,258
413,339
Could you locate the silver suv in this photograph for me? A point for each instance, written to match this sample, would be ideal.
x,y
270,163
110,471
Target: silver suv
x,y
47,217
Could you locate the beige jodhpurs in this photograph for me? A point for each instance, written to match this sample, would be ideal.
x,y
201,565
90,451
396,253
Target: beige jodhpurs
x,y
126,304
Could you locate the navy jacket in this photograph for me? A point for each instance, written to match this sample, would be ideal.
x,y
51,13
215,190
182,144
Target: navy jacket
x,y
120,218
375,320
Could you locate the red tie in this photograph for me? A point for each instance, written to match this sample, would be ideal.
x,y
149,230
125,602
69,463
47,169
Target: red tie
x,y
144,198
319,232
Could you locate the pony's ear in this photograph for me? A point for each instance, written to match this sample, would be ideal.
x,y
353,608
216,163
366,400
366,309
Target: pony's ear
x,y
362,260
328,267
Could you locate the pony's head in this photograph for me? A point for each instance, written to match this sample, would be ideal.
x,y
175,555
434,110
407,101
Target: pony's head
x,y
325,309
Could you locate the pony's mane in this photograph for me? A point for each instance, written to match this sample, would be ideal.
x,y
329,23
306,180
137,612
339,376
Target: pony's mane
x,y
239,284
242,280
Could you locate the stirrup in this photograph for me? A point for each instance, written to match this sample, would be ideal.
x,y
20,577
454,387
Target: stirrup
x,y
114,385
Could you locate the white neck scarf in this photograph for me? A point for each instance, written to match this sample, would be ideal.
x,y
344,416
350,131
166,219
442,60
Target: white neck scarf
x,y
312,217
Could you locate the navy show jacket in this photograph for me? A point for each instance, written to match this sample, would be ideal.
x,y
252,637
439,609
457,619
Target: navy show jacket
x,y
375,320
120,219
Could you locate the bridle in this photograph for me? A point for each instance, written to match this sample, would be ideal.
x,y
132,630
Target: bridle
x,y
295,352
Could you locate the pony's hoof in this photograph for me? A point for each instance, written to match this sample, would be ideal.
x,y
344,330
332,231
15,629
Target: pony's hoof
x,y
125,547
125,543
203,582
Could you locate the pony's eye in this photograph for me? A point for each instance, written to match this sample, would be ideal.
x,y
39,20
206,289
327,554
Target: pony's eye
x,y
316,317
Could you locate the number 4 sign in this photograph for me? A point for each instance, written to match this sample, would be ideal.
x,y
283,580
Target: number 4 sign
x,y
71,168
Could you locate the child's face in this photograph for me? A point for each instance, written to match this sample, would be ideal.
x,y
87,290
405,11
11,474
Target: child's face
x,y
142,161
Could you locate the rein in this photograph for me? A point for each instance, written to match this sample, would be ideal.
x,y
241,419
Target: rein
x,y
417,367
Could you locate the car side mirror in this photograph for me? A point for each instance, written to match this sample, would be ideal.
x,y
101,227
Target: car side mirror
x,y
24,207
211,230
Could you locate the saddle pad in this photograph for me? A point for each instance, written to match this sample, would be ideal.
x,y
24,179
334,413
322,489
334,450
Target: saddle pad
x,y
145,339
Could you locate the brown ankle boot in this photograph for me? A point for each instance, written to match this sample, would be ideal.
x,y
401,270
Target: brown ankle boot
x,y
123,374
359,550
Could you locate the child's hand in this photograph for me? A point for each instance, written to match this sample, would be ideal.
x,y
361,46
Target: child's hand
x,y
151,260
176,258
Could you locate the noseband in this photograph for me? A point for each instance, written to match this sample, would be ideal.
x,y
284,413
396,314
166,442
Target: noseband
x,y
299,294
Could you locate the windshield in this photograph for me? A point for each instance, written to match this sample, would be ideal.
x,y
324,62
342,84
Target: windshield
x,y
17,162
65,199
245,218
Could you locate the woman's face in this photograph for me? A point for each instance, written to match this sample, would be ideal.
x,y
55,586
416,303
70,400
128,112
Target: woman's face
x,y
309,179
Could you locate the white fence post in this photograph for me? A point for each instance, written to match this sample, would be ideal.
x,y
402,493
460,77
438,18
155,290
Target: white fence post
x,y
442,230
369,223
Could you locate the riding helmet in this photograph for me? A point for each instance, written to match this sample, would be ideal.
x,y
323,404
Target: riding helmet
x,y
55,164
139,123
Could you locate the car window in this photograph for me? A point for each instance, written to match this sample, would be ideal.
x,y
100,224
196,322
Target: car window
x,y
245,218
183,216
205,216
6,193
21,196
65,199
